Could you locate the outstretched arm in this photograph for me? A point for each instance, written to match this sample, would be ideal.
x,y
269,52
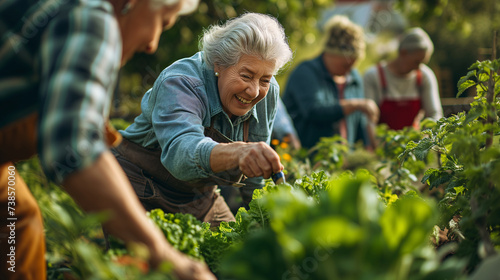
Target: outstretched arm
x,y
104,186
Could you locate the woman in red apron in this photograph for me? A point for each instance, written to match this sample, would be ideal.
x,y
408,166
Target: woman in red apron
x,y
399,113
405,89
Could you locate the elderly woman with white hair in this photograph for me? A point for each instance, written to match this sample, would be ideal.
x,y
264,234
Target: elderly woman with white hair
x,y
207,121
405,89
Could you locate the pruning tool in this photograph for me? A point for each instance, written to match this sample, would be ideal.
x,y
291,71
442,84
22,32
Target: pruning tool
x,y
278,178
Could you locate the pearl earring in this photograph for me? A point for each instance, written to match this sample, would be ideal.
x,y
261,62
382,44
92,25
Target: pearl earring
x,y
126,8
216,74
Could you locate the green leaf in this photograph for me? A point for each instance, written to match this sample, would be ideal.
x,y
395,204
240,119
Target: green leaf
x,y
409,148
407,223
474,113
465,82
459,190
474,65
435,177
423,147
464,86
335,231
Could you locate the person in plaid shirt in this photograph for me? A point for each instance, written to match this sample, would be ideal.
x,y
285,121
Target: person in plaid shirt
x,y
59,61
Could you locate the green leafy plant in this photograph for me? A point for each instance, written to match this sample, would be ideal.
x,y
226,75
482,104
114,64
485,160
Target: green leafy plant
x,y
74,240
469,173
346,232
183,231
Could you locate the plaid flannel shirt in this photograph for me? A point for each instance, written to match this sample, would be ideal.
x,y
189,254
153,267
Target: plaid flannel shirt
x,y
60,58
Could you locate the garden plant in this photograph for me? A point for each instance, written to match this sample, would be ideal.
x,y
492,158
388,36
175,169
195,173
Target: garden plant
x,y
424,205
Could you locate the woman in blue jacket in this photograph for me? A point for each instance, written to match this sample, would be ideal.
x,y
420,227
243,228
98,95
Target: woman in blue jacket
x,y
324,96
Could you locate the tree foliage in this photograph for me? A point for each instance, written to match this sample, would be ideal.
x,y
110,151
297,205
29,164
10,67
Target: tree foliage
x,y
456,14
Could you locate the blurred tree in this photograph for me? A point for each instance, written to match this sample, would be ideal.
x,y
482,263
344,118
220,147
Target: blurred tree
x,y
454,15
298,17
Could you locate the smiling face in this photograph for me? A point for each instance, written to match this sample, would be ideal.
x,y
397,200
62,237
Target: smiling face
x,y
142,26
243,85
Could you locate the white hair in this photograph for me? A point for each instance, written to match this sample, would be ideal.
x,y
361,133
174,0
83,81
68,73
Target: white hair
x,y
251,34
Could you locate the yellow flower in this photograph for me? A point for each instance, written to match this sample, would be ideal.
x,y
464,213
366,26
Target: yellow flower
x,y
287,157
284,145
275,142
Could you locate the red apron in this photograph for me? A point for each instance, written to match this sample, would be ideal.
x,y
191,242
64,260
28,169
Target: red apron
x,y
397,113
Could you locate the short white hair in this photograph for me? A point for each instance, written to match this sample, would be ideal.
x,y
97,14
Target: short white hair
x,y
188,6
251,34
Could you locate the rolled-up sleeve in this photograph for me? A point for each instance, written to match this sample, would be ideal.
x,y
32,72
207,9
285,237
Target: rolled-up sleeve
x,y
179,109
80,59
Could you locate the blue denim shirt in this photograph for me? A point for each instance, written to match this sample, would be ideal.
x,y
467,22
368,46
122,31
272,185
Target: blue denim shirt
x,y
182,102
312,100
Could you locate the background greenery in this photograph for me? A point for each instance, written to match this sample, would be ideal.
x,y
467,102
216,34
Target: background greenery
x,y
461,31
418,185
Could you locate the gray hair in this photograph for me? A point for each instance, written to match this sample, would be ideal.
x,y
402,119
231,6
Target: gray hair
x,y
251,34
416,39
188,6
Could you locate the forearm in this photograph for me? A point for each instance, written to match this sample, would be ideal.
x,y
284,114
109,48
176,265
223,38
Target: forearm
x,y
351,105
105,187
224,156
367,106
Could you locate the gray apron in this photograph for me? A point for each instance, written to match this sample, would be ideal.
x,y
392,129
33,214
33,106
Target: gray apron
x,y
157,188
